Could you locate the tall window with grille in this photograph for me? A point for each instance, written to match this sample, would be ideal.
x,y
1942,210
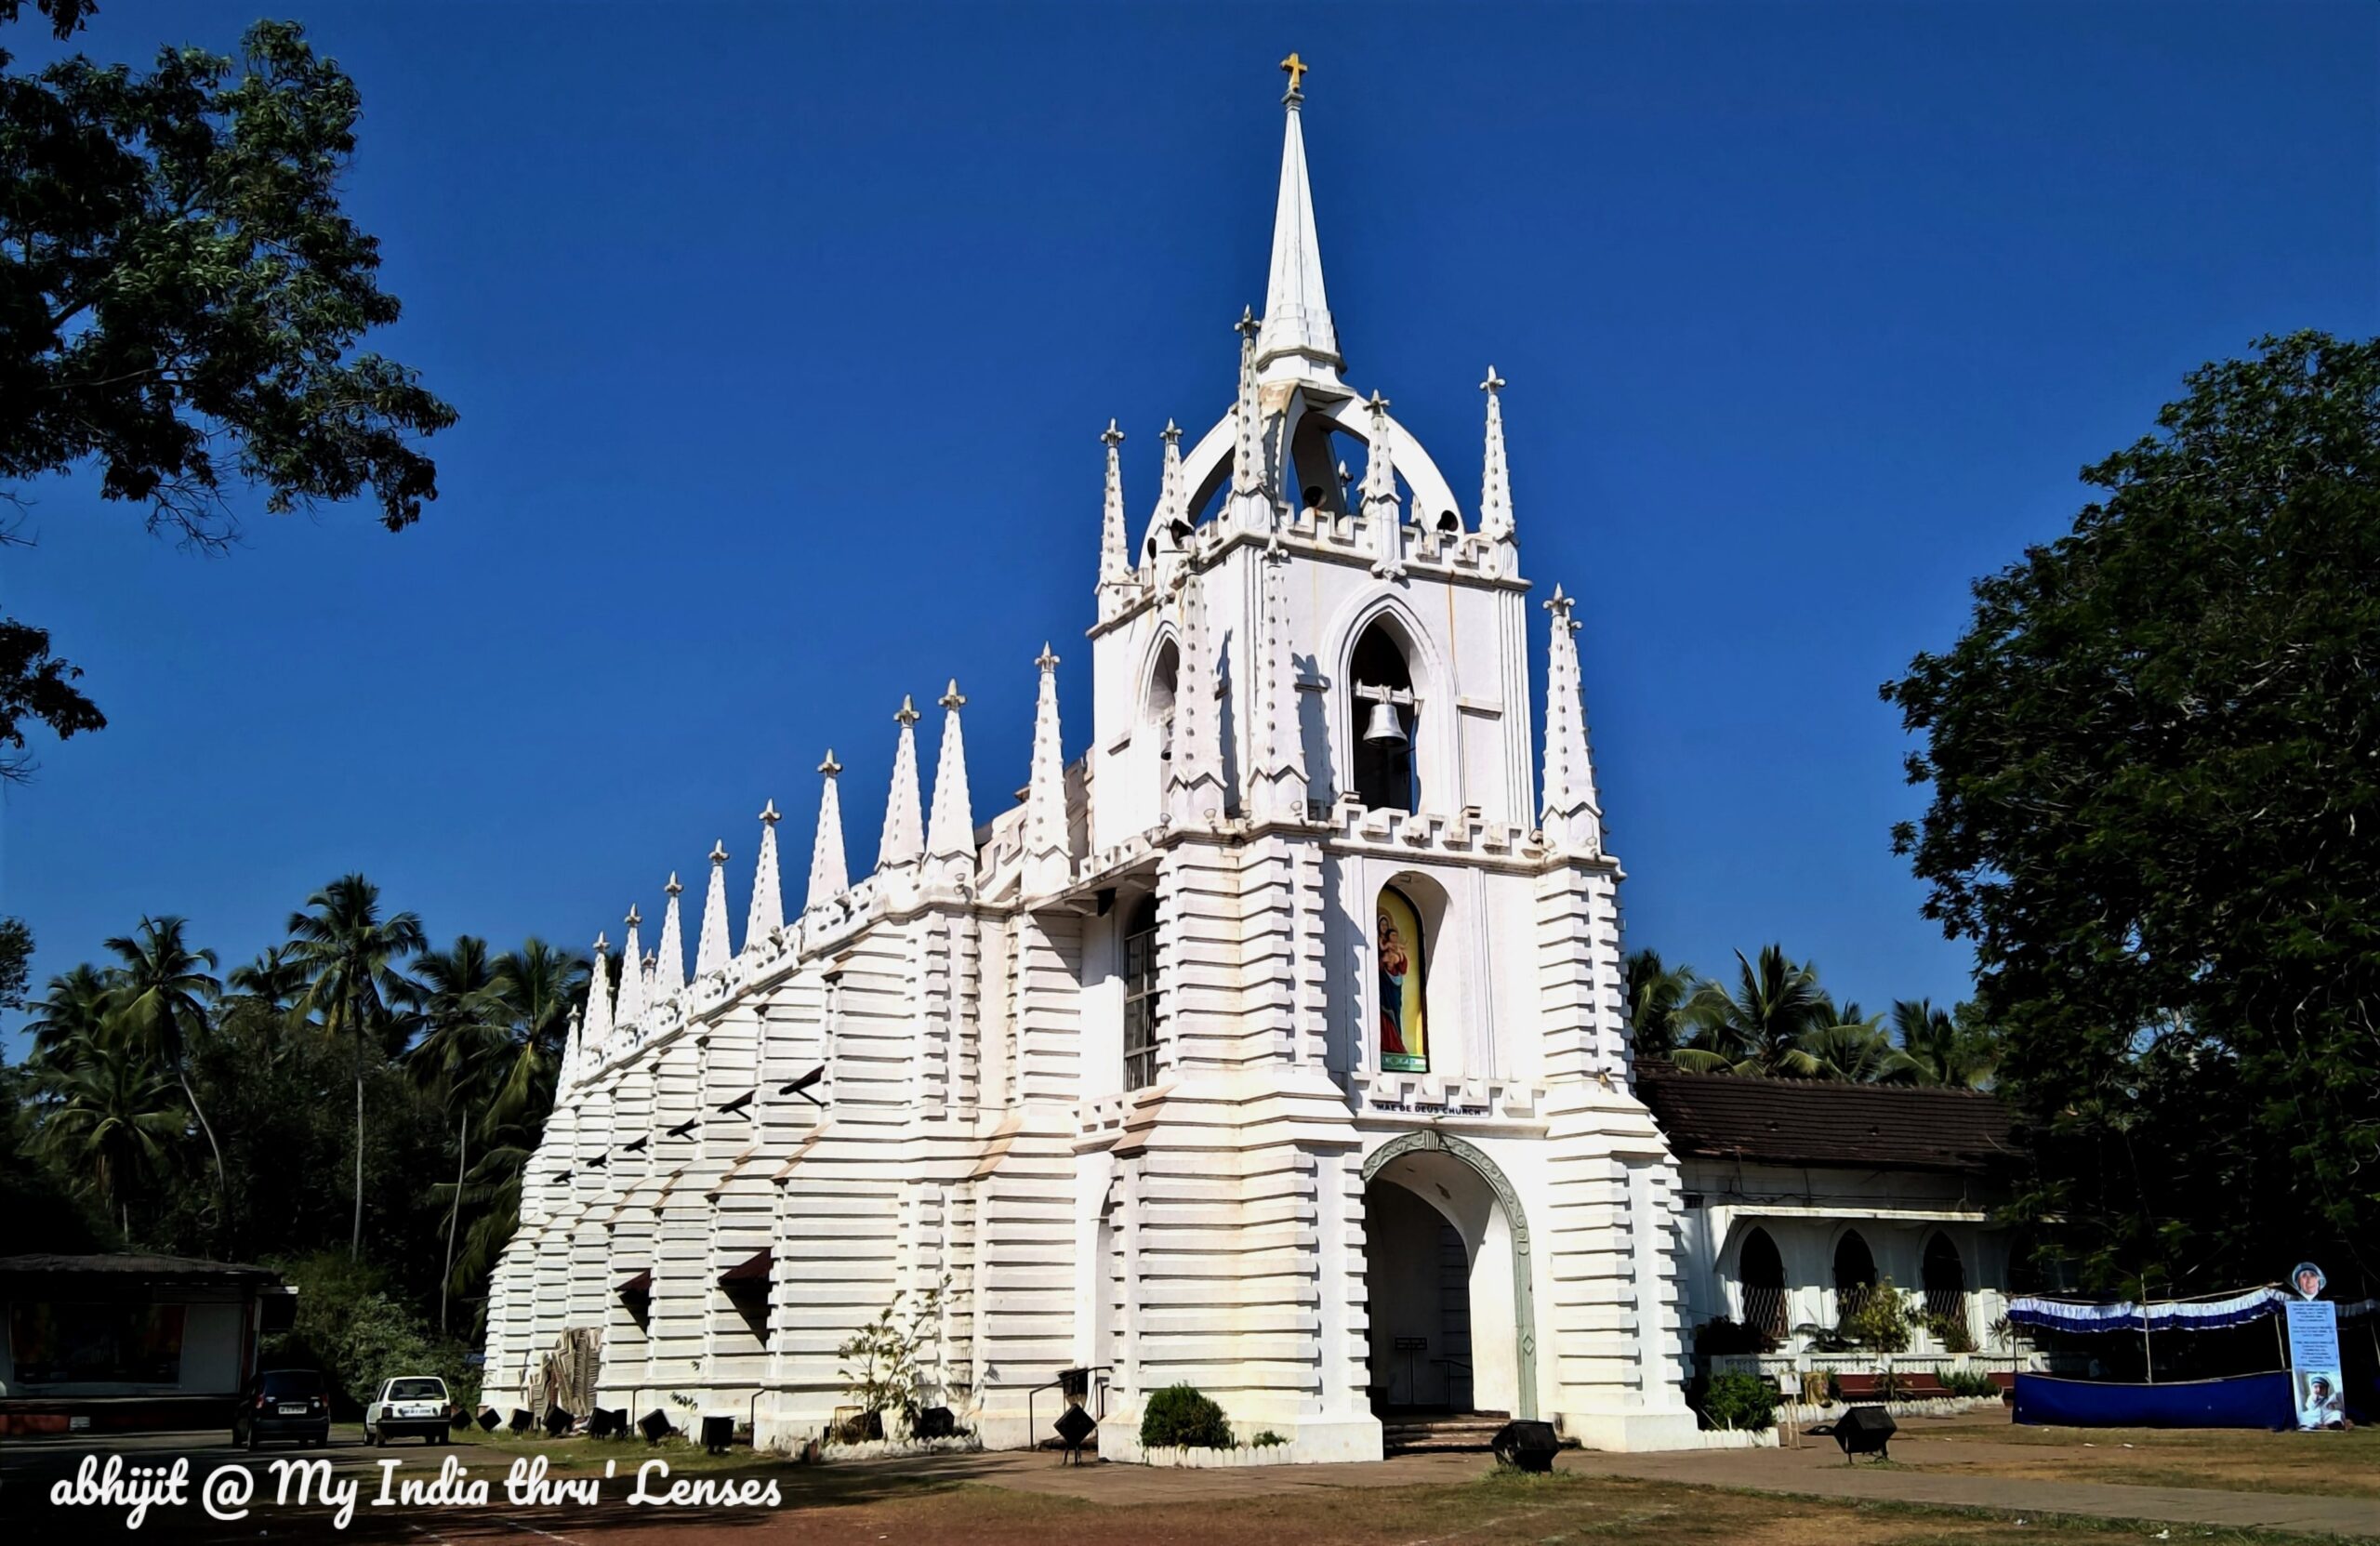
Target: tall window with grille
x,y
1141,996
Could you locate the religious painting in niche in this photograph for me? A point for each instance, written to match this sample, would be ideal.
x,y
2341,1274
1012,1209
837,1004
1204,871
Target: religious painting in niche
x,y
1404,1036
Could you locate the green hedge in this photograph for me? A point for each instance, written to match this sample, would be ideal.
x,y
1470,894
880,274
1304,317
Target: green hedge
x,y
1739,1401
1179,1417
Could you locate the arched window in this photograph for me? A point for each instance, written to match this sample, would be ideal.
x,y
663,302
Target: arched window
x,y
1160,706
1761,1271
1855,1273
1140,995
1384,719
1401,954
1946,1280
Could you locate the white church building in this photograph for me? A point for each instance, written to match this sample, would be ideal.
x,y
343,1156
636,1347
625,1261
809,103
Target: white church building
x,y
1274,1045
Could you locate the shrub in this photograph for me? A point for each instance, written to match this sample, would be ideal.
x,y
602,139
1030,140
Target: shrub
x,y
1180,1417
1721,1336
1267,1440
1739,1401
1953,1332
1880,1321
1970,1382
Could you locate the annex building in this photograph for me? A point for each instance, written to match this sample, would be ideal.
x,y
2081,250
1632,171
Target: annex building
x,y
1274,1045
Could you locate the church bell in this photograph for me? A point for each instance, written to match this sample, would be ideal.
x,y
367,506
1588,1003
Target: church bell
x,y
1385,724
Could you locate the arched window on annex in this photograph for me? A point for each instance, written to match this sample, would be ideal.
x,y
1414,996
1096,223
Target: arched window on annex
x,y
1855,1274
1944,1282
1760,1268
1386,717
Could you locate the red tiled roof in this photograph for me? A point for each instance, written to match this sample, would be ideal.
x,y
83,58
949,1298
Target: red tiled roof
x,y
1825,1122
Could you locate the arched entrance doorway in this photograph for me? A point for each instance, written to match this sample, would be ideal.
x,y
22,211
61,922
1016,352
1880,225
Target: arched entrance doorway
x,y
1446,1273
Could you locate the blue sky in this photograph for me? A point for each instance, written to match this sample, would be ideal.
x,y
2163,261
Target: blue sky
x,y
782,339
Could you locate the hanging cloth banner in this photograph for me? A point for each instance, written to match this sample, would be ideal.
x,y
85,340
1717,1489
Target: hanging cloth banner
x,y
2200,1315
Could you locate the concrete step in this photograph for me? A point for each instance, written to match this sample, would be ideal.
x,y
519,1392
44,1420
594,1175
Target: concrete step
x,y
1461,1430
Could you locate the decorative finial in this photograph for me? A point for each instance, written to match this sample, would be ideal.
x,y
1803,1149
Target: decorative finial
x,y
1295,68
1047,661
1494,383
908,711
1248,324
633,919
769,816
952,697
1171,433
602,943
672,889
1112,437
830,767
718,851
1375,402
1560,604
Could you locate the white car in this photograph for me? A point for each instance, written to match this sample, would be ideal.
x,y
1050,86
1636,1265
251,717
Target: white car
x,y
409,1404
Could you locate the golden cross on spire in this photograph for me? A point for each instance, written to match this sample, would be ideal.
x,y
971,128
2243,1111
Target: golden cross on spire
x,y
1295,68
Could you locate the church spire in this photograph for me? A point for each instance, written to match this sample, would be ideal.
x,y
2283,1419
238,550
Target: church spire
x,y
669,971
1048,853
1298,331
1495,478
573,1054
767,915
1169,501
1387,523
1194,791
1115,562
904,842
597,1028
950,831
710,946
629,1010
1572,820
829,878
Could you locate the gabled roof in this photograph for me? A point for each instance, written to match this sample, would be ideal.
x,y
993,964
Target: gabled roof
x,y
1825,1121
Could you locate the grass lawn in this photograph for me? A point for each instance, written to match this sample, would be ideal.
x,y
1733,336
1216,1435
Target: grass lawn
x,y
2329,1464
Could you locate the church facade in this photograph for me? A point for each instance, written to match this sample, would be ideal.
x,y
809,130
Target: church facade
x,y
1274,1046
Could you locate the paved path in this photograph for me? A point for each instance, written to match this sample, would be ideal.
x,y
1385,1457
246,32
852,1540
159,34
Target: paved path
x,y
1817,1471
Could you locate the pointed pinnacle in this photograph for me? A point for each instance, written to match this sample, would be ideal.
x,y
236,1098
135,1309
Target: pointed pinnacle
x,y
1172,435
718,851
633,919
1375,402
1047,661
1248,324
830,767
1112,437
601,944
672,889
909,712
952,699
769,813
1494,383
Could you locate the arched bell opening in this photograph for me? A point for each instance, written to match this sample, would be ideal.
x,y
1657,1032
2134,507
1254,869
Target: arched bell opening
x,y
1386,717
1448,1297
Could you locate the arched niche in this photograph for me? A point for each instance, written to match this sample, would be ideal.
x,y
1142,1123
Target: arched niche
x,y
1392,642
1473,1195
1855,1273
1760,1268
1943,1275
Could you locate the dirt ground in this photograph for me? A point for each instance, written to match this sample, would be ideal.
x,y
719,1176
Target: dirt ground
x,y
2329,1464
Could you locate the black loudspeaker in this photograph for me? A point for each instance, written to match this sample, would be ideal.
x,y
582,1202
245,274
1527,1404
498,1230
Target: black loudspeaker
x,y
717,1433
1526,1445
599,1424
1865,1431
654,1426
522,1422
489,1421
557,1421
618,1418
937,1423
1075,1427
1073,1383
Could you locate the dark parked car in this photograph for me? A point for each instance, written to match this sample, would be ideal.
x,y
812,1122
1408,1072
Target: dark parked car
x,y
284,1403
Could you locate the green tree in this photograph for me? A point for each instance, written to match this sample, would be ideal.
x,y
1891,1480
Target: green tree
x,y
1658,997
165,989
70,1016
1758,1027
1948,1048
2155,811
16,961
354,958
1853,1048
113,1120
181,299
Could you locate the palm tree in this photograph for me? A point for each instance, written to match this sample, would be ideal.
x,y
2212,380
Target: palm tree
x,y
461,1016
165,987
352,955
1758,1029
70,1017
1853,1047
1945,1051
111,1119
1657,999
